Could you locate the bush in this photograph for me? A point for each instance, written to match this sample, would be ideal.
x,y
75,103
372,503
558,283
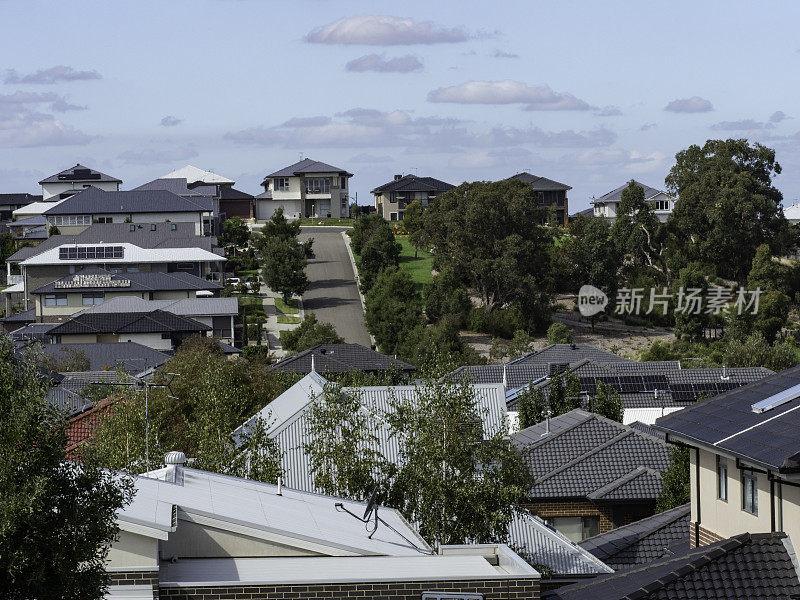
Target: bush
x,y
498,323
431,346
53,231
310,333
394,308
558,333
445,295
259,354
378,253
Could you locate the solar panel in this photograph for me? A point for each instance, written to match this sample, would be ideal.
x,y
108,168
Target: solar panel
x,y
776,400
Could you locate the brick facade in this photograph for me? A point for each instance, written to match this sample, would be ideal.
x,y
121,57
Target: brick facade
x,y
705,536
494,589
144,578
574,508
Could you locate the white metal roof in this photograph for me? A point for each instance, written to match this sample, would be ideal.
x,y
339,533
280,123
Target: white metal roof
x,y
35,209
255,509
792,213
186,307
14,289
647,416
131,254
362,569
193,175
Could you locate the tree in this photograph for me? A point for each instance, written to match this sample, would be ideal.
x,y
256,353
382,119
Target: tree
x,y
691,322
488,234
519,345
53,231
57,517
412,223
765,273
393,309
606,402
379,252
67,360
532,407
446,295
558,333
236,231
773,312
308,334
755,351
675,480
728,206
455,478
433,345
363,228
283,266
280,227
563,393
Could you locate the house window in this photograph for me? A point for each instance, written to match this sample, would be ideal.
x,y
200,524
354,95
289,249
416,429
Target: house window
x,y
72,220
576,528
393,216
92,298
152,227
133,227
55,299
450,596
173,227
318,185
343,183
540,195
750,493
166,336
722,478
105,219
184,266
662,204
280,184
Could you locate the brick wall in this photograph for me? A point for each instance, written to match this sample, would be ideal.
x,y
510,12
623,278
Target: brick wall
x,y
576,508
706,537
494,589
144,578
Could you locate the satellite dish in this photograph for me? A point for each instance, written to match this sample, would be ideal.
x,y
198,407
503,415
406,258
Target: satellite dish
x,y
373,500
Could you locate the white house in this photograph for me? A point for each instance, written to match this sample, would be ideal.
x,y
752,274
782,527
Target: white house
x,y
305,189
71,181
606,205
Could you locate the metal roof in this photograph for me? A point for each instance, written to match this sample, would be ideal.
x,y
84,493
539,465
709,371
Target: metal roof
x,y
195,175
79,173
128,356
93,200
132,254
179,187
19,198
185,307
136,282
306,166
569,353
540,183
338,358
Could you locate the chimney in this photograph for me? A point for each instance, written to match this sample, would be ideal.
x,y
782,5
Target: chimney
x,y
175,462
397,177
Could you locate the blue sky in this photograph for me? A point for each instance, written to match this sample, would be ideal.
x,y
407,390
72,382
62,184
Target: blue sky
x,y
589,94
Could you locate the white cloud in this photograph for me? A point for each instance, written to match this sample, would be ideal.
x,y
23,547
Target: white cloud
x,y
22,126
371,159
151,156
377,62
609,111
742,125
647,126
508,92
20,98
374,30
51,75
170,121
307,122
695,104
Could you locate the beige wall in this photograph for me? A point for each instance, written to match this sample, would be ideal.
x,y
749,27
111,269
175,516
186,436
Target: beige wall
x,y
133,550
74,338
151,340
53,189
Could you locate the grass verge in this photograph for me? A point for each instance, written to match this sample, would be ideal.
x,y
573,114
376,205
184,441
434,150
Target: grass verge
x,y
287,308
288,319
420,267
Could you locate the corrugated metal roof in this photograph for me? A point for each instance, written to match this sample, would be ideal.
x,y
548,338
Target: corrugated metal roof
x,y
132,254
186,307
193,175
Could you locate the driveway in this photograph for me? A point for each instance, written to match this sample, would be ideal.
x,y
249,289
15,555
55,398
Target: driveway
x,y
332,293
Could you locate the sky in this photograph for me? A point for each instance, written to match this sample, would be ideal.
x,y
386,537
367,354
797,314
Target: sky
x,y
586,93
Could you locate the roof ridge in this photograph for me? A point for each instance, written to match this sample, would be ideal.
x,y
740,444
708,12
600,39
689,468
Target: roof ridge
x,y
620,481
551,435
677,510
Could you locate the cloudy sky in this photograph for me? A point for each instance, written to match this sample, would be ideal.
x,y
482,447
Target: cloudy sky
x,y
590,94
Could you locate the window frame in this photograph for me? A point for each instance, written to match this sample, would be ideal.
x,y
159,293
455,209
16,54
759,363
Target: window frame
x,y
55,299
318,185
92,296
722,478
280,184
750,491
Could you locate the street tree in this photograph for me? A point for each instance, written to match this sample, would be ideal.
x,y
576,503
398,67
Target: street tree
x,y
379,252
308,334
675,480
412,223
281,227
283,263
235,231
393,309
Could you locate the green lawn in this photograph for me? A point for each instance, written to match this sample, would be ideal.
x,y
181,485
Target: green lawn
x,y
332,222
253,304
419,268
288,319
289,308
250,273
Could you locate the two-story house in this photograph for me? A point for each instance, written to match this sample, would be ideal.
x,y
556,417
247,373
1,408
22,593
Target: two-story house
x,y
607,205
550,194
392,198
308,188
744,459
71,181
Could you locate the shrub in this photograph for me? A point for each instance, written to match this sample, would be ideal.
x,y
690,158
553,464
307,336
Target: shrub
x,y
394,308
308,334
445,295
499,322
558,333
260,354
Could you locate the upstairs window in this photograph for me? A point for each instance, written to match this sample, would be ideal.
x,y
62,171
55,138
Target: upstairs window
x,y
55,300
92,298
318,185
722,478
662,204
750,493
105,219
280,184
343,183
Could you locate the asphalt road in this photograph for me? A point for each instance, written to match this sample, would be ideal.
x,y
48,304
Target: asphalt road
x,y
332,293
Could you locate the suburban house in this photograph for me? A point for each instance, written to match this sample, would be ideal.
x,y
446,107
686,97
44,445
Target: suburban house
x,y
550,194
190,534
286,420
157,329
591,473
392,198
68,259
11,202
219,314
150,207
342,358
305,189
92,286
606,205
130,357
30,230
71,181
745,459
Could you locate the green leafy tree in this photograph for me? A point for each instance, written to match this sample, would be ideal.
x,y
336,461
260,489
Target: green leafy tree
x,y
691,323
431,345
558,333
765,272
532,407
488,234
283,266
57,517
675,480
363,229
378,253
446,295
280,227
563,393
393,309
728,205
308,334
773,312
606,402
235,231
756,351
52,231
412,223
67,360
519,345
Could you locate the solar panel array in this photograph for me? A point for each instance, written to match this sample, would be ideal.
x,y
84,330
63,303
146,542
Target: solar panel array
x,y
680,392
90,252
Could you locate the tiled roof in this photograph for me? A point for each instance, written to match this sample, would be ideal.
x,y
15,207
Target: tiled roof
x,y
82,426
194,175
412,183
93,200
19,198
230,193
141,281
567,354
185,307
128,356
79,173
585,455
749,565
25,316
306,166
338,358
156,321
729,423
643,541
540,183
616,194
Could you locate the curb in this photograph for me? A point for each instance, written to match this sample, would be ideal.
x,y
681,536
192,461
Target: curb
x,y
346,240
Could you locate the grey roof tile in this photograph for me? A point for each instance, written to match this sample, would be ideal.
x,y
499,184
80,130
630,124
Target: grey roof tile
x,y
615,195
138,282
178,186
540,183
156,321
569,353
745,566
338,358
128,356
21,199
306,166
412,183
93,200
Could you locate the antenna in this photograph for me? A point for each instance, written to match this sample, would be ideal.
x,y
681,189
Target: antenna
x,y
313,366
505,377
371,504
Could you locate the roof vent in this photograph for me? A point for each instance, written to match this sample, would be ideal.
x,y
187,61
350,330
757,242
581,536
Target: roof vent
x,y
398,177
175,457
776,400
